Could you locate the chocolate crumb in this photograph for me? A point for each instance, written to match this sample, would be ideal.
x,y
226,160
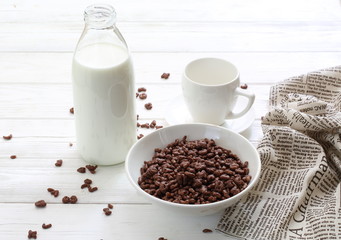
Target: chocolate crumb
x,y
40,204
143,96
91,167
84,186
145,125
59,163
206,230
88,181
157,127
92,189
9,137
81,170
66,199
72,110
73,199
152,124
32,234
110,206
46,226
70,144
13,156
140,136
141,89
162,238
165,75
55,193
107,211
137,94
148,106
137,117
244,86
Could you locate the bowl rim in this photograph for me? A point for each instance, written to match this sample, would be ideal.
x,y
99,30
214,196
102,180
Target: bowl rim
x,y
192,206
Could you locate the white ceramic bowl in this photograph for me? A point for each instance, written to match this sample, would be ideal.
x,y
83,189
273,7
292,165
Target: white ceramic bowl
x,y
143,150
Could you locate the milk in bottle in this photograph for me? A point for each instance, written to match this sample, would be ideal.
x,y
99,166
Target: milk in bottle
x,y
103,89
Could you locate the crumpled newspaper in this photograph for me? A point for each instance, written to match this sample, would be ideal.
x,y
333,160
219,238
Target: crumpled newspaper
x,y
298,194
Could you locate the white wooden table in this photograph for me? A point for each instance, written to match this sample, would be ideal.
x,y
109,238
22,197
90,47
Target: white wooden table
x,y
268,41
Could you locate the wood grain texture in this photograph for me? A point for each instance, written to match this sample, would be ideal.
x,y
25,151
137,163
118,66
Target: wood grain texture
x,y
234,36
84,221
255,68
175,10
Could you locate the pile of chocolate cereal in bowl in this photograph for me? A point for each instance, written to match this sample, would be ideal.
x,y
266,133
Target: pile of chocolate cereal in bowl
x,y
194,172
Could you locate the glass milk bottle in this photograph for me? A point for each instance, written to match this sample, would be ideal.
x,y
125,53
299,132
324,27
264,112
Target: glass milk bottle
x,y
103,90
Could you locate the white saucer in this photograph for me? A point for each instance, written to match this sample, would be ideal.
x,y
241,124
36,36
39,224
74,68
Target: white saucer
x,y
176,113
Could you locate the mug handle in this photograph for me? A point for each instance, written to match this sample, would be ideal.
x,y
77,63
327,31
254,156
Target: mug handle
x,y
251,99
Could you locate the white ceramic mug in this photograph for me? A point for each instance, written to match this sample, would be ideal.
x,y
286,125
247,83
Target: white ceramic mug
x,y
210,88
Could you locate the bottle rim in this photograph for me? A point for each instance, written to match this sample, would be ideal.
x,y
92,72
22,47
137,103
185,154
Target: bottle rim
x,y
100,15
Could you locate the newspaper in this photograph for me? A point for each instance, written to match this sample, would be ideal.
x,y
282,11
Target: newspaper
x,y
298,194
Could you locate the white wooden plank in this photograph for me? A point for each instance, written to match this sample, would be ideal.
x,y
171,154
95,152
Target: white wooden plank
x,y
175,10
87,221
182,36
257,67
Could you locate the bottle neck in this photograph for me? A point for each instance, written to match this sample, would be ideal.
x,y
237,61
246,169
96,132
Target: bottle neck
x,y
100,16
